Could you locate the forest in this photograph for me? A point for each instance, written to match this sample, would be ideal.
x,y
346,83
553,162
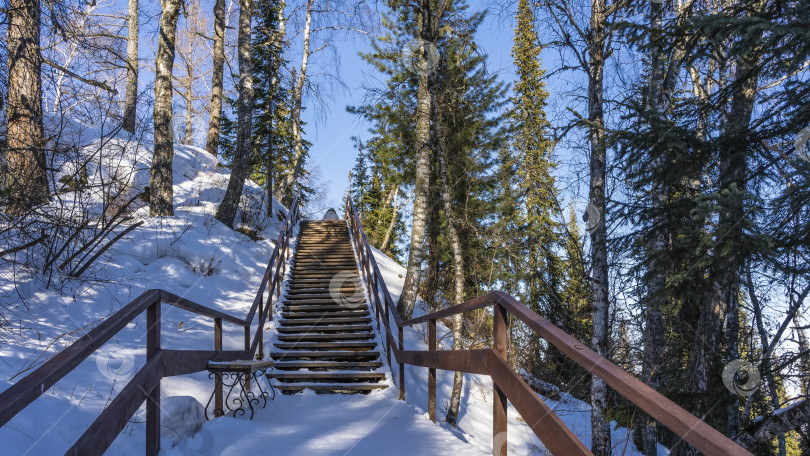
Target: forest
x,y
636,175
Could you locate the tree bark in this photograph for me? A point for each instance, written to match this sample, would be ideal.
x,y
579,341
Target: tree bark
x,y
295,114
275,57
458,274
394,211
130,102
25,179
212,141
188,136
776,424
600,430
161,180
410,289
240,166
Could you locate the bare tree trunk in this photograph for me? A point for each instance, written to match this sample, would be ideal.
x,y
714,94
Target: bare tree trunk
x,y
130,102
458,274
295,115
394,212
25,180
161,180
241,161
189,96
600,430
212,141
275,56
410,289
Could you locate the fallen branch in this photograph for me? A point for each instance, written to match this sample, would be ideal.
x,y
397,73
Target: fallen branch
x,y
41,238
92,82
779,422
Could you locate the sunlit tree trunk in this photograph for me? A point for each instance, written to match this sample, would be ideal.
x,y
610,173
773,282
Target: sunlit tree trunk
x,y
161,180
130,102
241,161
25,179
295,115
212,141
413,275
600,430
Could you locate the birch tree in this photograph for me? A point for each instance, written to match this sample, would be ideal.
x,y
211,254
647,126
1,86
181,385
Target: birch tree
x,y
240,167
131,100
212,140
161,180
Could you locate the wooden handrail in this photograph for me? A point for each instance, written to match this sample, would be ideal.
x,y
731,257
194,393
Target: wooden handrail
x,y
508,384
160,363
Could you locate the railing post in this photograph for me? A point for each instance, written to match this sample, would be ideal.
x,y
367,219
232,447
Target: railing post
x,y
499,401
270,293
401,367
153,399
247,347
260,327
432,372
218,408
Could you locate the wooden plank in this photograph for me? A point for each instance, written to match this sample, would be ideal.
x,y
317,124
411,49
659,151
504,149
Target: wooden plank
x,y
101,434
554,434
25,391
183,303
182,362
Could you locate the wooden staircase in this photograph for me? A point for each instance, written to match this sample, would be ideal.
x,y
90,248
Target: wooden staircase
x,y
324,340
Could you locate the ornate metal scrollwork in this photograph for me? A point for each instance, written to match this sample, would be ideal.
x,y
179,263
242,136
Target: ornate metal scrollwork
x,y
244,398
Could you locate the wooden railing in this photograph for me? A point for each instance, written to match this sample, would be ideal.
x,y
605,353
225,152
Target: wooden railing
x,y
160,362
507,384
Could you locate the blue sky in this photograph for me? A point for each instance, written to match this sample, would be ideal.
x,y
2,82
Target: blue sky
x,y
331,131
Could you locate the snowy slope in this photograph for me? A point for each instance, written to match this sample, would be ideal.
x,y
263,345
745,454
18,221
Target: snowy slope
x,y
475,415
190,254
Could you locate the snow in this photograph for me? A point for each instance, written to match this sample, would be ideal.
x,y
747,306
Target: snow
x,y
180,418
196,257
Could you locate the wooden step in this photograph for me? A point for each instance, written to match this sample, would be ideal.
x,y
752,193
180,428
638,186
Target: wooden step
x,y
326,321
327,365
319,297
337,377
347,286
307,308
322,329
337,313
345,304
309,337
310,289
348,388
325,345
295,354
